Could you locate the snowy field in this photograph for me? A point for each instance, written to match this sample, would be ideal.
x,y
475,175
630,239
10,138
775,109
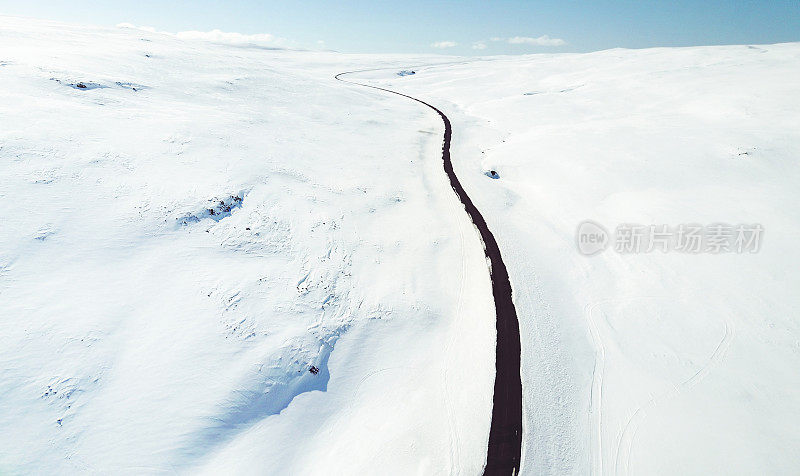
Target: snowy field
x,y
649,363
190,226
144,333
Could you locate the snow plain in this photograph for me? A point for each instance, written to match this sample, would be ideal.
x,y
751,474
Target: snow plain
x,y
143,333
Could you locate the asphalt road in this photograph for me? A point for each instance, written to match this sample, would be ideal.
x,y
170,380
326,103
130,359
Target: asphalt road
x,y
505,434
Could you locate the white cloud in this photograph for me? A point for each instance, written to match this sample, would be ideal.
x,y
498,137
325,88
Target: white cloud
x,y
216,36
496,38
444,44
479,45
543,40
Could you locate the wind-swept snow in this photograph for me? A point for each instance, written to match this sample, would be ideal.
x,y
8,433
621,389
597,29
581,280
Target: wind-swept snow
x,y
183,242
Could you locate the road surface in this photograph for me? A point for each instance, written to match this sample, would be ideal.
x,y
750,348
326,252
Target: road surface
x,y
505,434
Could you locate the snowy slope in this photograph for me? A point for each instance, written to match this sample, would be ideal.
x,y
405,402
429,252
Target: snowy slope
x,y
643,363
187,235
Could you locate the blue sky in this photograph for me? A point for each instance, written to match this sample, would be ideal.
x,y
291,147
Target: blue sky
x,y
465,27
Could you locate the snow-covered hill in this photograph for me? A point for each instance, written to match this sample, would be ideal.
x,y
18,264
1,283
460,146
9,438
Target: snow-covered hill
x,y
190,233
642,363
190,227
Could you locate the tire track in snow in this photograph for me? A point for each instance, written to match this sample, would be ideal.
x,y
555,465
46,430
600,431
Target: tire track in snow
x,y
505,434
621,454
628,437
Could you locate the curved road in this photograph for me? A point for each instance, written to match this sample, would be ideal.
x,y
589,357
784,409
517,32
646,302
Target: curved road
x,y
505,435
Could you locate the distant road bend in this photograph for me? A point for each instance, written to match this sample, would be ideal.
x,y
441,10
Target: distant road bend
x,y
505,435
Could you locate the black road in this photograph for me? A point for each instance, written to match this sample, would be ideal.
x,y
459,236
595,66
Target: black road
x,y
505,435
